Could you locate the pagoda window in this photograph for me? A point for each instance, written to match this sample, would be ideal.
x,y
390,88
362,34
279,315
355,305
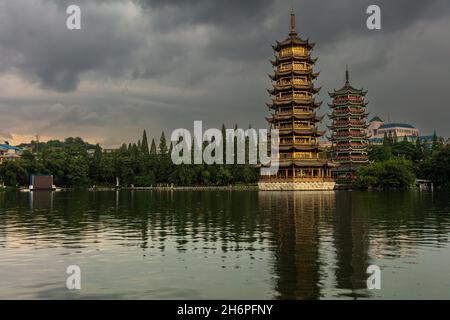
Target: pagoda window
x,y
300,80
301,66
283,82
285,67
298,51
301,95
300,110
303,155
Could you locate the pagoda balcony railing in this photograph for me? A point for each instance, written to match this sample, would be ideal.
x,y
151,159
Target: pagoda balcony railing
x,y
291,112
351,122
349,110
293,51
294,81
284,127
349,134
298,142
296,96
294,67
352,158
298,157
345,100
352,145
337,149
299,145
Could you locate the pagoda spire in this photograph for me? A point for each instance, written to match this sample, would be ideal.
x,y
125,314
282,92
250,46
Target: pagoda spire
x,y
346,75
292,33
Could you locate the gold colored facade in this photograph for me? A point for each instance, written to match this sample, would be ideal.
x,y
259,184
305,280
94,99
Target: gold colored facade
x,y
293,113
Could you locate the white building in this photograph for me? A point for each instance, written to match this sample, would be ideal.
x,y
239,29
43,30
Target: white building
x,y
377,129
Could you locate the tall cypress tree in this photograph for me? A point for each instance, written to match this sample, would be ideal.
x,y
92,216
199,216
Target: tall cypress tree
x,y
144,144
163,144
153,147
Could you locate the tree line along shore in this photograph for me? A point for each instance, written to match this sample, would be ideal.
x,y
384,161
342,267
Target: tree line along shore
x,y
75,163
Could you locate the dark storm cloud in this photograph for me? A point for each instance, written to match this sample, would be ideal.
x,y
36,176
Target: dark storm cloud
x,y
162,64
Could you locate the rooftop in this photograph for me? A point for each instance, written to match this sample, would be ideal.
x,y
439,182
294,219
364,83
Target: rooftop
x,y
8,147
376,118
396,125
347,88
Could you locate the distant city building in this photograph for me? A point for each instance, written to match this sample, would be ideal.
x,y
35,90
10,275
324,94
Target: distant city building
x,y
9,153
349,131
378,129
374,124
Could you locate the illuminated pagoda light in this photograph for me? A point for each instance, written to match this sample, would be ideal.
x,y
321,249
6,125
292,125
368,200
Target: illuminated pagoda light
x,y
349,131
293,113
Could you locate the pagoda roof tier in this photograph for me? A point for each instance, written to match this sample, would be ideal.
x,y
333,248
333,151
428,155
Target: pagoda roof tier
x,y
347,114
348,149
348,125
346,167
299,147
293,115
347,88
287,87
362,139
346,122
359,159
305,102
347,137
305,163
292,40
277,106
306,58
352,145
361,103
313,132
279,74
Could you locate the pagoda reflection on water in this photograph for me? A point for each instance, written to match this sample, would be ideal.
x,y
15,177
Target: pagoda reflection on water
x,y
293,113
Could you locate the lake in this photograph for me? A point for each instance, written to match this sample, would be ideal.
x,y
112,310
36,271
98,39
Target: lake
x,y
225,244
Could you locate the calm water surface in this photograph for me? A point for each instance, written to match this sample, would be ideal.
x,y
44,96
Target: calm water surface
x,y
225,245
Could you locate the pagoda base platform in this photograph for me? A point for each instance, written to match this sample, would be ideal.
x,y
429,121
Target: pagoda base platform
x,y
296,185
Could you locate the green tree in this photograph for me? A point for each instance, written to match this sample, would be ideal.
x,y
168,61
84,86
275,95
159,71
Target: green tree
x,y
153,147
144,145
392,173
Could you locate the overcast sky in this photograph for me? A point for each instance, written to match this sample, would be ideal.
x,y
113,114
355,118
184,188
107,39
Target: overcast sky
x,y
160,65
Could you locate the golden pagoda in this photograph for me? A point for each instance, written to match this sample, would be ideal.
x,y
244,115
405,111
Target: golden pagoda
x,y
293,113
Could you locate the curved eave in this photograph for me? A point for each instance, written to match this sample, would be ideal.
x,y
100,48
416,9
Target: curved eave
x,y
345,115
306,58
288,42
347,103
344,126
278,74
276,118
300,148
362,149
309,102
346,138
347,90
314,133
276,88
306,163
